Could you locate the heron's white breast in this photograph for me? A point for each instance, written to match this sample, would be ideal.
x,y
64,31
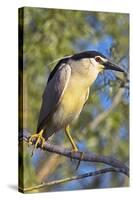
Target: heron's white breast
x,y
71,102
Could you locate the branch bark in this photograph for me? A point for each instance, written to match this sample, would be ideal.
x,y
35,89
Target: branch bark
x,y
81,176
87,156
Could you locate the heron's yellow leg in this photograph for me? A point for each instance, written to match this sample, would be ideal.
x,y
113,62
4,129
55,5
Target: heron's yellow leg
x,y
74,147
38,138
67,131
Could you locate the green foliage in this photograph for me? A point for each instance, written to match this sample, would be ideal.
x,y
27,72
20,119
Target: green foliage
x,y
50,34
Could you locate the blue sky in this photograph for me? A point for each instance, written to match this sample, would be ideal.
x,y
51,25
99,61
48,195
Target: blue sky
x,y
102,45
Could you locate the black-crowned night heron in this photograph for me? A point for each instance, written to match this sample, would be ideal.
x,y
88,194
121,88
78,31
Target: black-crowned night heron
x,y
66,92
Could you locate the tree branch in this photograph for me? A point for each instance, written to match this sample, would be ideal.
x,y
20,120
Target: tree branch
x,y
87,156
81,176
92,125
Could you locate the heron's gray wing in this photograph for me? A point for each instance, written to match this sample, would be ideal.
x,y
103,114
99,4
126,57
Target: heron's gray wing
x,y
53,93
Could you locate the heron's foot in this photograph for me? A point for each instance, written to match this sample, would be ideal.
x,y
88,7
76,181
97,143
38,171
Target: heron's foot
x,y
76,150
79,161
37,139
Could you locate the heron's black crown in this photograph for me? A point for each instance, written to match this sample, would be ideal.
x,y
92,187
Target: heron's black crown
x,y
87,54
78,56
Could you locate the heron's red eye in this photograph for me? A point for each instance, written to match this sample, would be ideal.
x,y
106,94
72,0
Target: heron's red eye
x,y
98,59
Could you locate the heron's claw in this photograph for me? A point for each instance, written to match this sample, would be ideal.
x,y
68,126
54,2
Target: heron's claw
x,y
75,150
81,157
37,139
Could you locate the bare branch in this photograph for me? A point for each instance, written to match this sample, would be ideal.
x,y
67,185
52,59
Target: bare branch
x,y
81,176
87,156
92,125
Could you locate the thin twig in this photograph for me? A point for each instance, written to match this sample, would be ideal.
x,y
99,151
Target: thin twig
x,y
81,176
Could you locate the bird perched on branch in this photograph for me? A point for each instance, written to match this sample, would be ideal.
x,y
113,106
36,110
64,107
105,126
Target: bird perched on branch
x,y
66,92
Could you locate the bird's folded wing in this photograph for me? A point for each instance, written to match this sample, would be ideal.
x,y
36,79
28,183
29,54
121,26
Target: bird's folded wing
x,y
53,93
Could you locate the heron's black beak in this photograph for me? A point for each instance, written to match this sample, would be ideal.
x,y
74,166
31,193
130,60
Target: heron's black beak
x,y
111,66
